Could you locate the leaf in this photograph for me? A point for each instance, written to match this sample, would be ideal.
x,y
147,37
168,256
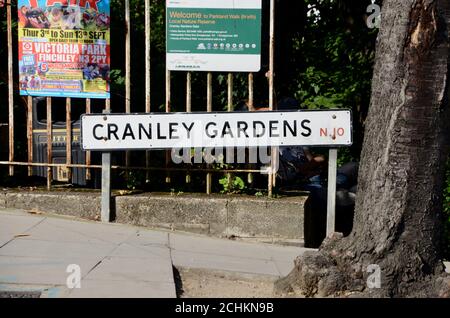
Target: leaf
x,y
36,212
316,88
21,235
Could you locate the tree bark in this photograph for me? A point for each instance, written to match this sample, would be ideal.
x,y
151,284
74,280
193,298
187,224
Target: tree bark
x,y
399,216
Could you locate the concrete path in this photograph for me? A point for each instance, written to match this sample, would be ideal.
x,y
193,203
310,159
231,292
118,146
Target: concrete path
x,y
117,260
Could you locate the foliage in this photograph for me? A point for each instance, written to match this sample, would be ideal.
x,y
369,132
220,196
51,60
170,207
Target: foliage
x,y
134,180
345,156
337,53
117,79
232,184
333,59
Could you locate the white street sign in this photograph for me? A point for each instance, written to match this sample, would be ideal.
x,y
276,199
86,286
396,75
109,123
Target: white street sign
x,y
109,132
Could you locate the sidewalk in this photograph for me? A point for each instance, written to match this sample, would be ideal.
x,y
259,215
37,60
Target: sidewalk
x,y
118,260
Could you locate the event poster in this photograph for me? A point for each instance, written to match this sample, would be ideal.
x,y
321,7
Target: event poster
x,y
214,35
64,48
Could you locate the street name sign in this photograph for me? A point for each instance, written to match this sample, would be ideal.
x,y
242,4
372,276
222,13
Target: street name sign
x,y
115,132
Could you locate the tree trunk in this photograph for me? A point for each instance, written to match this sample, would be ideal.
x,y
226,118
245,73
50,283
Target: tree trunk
x,y
398,218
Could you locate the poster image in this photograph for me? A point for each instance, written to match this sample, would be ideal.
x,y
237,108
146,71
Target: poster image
x,y
64,48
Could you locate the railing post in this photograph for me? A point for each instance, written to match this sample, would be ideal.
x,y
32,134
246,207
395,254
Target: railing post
x,y
30,133
168,110
69,138
188,109
147,77
331,201
209,108
127,73
88,153
10,87
49,143
272,174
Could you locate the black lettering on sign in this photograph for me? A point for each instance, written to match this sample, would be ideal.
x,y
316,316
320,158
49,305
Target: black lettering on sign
x,y
255,129
188,129
95,131
273,129
293,130
242,128
112,130
211,134
306,128
148,132
128,132
173,130
227,130
158,129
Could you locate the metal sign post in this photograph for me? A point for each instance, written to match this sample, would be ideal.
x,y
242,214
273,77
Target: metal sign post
x,y
106,185
331,200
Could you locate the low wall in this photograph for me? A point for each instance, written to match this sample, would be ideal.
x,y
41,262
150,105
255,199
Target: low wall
x,y
217,215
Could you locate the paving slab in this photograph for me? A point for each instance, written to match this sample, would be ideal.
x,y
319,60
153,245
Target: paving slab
x,y
136,251
110,233
212,246
15,212
224,263
12,225
39,271
156,269
149,238
123,289
5,238
115,261
285,253
215,254
60,231
70,252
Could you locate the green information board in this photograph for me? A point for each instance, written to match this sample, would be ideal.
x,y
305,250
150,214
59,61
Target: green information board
x,y
214,35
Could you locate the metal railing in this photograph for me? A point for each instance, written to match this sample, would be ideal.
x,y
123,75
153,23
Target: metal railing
x,y
69,165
